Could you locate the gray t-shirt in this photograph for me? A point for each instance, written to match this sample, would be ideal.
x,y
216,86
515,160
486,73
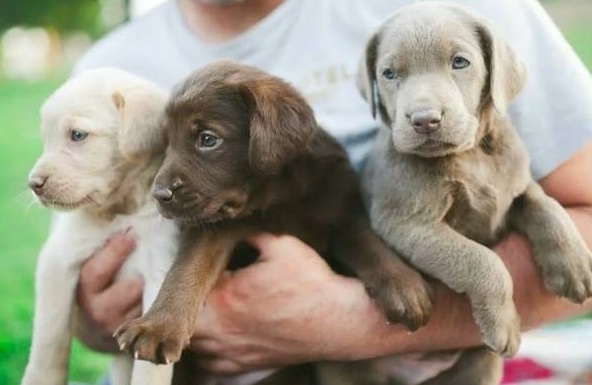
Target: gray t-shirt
x,y
316,46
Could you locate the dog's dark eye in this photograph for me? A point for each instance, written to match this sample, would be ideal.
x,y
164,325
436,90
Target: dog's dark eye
x,y
389,73
459,62
207,140
77,136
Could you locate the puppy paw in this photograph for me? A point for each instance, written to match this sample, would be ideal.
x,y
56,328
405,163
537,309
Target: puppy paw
x,y
407,301
155,340
569,274
500,328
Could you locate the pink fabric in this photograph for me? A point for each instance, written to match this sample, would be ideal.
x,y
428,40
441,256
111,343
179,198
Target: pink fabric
x,y
555,355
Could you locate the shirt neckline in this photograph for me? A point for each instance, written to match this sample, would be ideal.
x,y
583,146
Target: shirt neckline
x,y
238,46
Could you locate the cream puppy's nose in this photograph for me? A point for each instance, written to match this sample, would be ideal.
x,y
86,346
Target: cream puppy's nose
x,y
36,184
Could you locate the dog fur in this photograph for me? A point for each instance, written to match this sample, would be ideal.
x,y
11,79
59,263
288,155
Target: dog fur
x,y
246,155
449,175
103,144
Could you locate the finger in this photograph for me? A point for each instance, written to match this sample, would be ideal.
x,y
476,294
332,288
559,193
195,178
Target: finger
x,y
109,308
220,366
207,346
272,246
98,271
133,313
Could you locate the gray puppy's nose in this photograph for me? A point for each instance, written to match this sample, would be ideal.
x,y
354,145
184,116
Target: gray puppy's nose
x,y
426,121
36,184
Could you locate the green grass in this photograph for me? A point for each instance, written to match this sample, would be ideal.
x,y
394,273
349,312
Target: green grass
x,y
23,227
580,36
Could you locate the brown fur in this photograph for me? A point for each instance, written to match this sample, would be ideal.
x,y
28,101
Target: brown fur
x,y
274,171
441,198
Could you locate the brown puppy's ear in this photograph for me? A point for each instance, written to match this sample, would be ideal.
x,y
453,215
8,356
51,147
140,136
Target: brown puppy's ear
x,y
140,117
282,123
507,73
366,76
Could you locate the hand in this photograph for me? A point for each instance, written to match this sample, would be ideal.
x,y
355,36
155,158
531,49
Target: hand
x,y
288,307
106,304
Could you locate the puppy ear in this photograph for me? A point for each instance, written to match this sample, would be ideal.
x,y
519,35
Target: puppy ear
x,y
507,74
366,76
282,124
140,118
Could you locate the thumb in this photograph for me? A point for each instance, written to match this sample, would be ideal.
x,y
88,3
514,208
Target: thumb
x,y
268,245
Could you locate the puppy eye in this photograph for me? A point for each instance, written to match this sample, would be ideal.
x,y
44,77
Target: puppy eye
x,y
459,62
207,140
389,74
77,136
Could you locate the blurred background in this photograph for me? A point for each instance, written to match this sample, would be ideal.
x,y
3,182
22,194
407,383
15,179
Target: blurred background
x,y
39,42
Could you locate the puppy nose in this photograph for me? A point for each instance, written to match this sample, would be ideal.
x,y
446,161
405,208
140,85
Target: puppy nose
x,y
36,184
162,194
426,121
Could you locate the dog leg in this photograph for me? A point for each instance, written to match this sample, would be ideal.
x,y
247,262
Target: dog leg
x,y
161,334
466,267
52,329
400,290
121,370
559,250
474,367
147,373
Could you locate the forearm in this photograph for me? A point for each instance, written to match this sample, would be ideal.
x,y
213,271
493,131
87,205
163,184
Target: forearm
x,y
452,325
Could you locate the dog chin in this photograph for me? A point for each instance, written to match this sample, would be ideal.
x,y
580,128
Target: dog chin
x,y
64,205
192,216
435,149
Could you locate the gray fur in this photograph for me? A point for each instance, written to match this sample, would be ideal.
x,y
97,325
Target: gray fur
x,y
441,199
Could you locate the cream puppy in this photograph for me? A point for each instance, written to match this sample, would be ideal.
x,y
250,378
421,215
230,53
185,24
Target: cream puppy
x,y
102,146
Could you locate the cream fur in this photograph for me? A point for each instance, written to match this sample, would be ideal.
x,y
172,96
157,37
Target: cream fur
x,y
103,184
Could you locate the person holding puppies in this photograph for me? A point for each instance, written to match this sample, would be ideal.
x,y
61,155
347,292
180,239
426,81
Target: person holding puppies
x,y
316,45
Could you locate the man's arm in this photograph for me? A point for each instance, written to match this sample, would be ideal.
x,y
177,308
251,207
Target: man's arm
x,y
291,308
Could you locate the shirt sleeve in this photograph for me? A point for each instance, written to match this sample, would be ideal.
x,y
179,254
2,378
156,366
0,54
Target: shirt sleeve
x,y
553,113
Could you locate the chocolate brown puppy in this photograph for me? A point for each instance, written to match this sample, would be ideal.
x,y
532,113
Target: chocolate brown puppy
x,y
246,155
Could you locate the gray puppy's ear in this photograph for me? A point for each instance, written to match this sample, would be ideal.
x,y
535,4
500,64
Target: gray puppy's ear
x,y
366,76
507,74
140,112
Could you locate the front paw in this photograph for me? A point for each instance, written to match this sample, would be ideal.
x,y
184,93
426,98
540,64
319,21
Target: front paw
x,y
407,301
500,328
569,273
154,339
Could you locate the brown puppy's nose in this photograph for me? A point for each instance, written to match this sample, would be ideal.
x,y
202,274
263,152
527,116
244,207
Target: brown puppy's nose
x,y
36,184
163,195
426,121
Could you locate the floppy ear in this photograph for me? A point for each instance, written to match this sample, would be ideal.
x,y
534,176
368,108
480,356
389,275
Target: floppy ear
x,y
366,76
282,124
140,118
507,73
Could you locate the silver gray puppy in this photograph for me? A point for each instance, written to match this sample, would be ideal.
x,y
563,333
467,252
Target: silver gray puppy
x,y
449,175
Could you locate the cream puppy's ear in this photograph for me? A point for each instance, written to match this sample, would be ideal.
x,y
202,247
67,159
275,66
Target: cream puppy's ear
x,y
140,115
